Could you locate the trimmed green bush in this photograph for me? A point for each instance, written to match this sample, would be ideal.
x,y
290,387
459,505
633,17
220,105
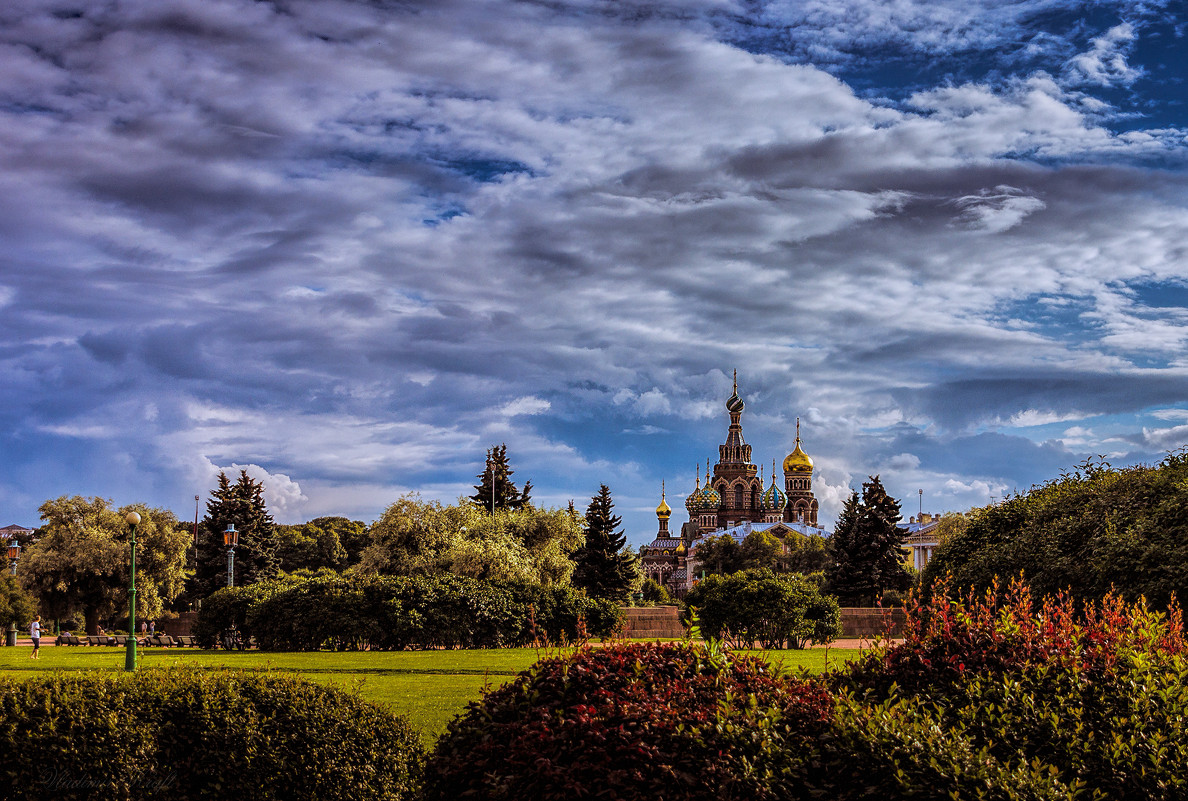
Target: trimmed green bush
x,y
184,734
759,606
438,611
643,720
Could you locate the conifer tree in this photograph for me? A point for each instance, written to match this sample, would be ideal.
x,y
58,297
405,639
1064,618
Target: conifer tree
x,y
497,471
256,558
866,546
603,568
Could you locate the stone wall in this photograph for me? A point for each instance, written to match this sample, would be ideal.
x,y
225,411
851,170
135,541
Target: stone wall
x,y
652,622
177,626
871,622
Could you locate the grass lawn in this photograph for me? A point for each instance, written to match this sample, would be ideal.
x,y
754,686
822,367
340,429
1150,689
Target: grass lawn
x,y
428,687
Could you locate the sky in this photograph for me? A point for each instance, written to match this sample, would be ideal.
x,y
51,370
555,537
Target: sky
x,y
349,246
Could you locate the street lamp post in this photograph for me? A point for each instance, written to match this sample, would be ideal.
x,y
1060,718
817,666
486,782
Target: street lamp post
x,y
230,539
130,656
14,553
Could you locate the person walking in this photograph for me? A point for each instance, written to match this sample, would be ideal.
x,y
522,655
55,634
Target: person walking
x,y
35,633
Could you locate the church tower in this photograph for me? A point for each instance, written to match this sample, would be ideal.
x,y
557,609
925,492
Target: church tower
x,y
798,484
736,480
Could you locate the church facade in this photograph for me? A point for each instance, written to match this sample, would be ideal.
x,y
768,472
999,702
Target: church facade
x,y
733,500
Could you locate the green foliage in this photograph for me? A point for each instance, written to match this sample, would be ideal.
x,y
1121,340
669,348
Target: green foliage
x,y
186,734
1086,531
416,537
256,559
308,546
655,593
80,560
867,547
385,613
495,489
627,722
776,611
605,568
16,607
228,608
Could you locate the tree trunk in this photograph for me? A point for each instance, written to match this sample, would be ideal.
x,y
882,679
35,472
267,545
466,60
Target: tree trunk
x,y
92,616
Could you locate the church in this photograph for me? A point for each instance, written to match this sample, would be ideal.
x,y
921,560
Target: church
x,y
733,501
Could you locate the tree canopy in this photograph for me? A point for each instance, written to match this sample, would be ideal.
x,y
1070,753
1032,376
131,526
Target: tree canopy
x,y
495,489
867,547
605,568
1088,530
80,559
17,607
418,537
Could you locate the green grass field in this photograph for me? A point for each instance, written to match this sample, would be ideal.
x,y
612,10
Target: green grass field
x,y
428,687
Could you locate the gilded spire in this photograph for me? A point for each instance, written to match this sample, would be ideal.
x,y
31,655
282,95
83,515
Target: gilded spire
x,y
663,511
798,461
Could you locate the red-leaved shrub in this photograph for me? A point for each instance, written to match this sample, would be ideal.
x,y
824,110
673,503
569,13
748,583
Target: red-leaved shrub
x,y
948,638
632,721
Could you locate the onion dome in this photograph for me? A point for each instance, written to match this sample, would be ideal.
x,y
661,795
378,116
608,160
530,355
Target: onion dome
x,y
681,549
734,404
663,511
691,498
798,461
708,497
774,498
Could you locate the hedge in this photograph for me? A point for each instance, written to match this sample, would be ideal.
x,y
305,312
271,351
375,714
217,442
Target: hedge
x,y
385,613
184,734
759,606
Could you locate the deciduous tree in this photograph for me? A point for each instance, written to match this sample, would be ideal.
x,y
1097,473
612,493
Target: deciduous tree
x,y
80,560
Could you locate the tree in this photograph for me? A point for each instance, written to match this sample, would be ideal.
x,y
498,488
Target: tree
x,y
497,472
308,546
416,537
777,611
240,504
16,606
80,560
1088,530
604,568
866,546
718,555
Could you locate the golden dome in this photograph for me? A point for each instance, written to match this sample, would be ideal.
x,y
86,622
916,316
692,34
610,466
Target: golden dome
x,y
798,461
681,549
663,510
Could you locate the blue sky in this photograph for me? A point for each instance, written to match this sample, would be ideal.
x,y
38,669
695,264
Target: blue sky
x,y
349,246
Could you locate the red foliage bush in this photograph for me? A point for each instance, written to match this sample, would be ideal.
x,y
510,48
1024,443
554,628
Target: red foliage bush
x,y
631,721
948,639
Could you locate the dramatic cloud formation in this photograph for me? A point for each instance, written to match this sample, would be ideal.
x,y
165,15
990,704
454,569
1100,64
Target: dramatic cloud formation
x,y
351,246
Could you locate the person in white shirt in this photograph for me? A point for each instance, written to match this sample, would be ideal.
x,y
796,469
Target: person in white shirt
x,y
35,633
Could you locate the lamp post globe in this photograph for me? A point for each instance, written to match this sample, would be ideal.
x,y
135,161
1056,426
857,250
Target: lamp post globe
x,y
132,519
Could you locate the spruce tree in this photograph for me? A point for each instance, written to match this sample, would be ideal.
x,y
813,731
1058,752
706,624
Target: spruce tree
x,y
497,471
241,504
866,546
603,568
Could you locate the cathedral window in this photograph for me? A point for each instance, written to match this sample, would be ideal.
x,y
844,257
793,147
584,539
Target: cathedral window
x,y
738,497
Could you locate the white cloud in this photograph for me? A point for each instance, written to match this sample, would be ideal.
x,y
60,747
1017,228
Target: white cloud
x,y
1105,64
998,210
1165,438
527,405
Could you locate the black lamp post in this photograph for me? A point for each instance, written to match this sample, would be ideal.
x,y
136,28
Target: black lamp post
x,y
14,553
230,539
130,656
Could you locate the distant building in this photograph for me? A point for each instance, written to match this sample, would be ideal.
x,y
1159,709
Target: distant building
x,y
732,501
922,537
8,532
